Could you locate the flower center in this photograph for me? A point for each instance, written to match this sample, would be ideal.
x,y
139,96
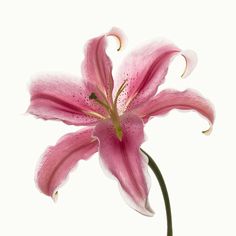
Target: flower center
x,y
112,109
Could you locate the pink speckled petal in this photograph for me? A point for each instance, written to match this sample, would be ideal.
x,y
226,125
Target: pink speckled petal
x,y
64,98
97,66
145,69
58,160
124,160
172,99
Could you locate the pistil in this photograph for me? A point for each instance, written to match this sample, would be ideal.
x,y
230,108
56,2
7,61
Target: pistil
x,y
112,109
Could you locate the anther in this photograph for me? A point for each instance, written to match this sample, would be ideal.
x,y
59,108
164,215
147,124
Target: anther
x,y
92,96
104,104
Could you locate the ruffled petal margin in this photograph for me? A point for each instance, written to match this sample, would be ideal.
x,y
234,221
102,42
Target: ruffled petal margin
x,y
64,98
169,99
58,160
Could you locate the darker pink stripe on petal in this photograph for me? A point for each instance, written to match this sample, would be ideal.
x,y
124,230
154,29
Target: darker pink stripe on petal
x,y
58,160
144,70
63,98
172,99
97,66
124,160
67,106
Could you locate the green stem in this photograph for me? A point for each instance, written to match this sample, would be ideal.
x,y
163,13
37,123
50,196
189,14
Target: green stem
x,y
162,184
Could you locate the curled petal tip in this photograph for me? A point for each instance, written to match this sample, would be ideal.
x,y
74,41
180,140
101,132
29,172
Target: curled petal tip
x,y
149,211
55,196
208,131
119,35
191,62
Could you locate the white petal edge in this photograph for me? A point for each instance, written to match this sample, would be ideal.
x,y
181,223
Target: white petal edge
x,y
191,62
148,211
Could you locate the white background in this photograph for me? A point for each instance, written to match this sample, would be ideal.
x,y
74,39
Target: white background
x,y
49,36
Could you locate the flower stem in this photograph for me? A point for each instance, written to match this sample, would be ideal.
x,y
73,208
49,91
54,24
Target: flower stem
x,y
162,184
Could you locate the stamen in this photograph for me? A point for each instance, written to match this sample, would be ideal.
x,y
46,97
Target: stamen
x,y
95,114
120,90
115,115
94,97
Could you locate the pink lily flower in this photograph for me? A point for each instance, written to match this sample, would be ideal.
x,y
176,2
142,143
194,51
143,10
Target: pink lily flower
x,y
114,114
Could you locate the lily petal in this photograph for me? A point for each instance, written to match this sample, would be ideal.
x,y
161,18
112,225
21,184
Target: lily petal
x,y
191,62
124,160
97,66
120,36
64,98
171,99
145,69
58,160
